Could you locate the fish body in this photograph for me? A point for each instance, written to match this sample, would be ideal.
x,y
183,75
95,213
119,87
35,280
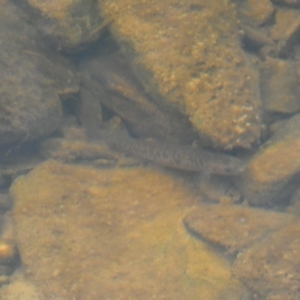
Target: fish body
x,y
174,156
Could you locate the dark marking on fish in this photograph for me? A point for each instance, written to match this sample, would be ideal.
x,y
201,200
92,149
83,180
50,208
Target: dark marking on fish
x,y
171,155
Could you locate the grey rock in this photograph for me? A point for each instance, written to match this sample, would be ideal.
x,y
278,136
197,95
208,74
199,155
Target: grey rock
x,y
30,79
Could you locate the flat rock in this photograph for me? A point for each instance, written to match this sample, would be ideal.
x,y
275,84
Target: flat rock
x,y
232,226
268,242
113,234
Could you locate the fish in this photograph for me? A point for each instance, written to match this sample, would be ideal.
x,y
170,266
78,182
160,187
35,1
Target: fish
x,y
175,156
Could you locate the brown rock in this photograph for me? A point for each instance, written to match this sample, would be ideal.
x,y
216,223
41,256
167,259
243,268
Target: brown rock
x,y
286,30
68,25
234,227
271,267
190,59
268,242
289,38
113,234
279,86
283,19
257,12
20,288
110,80
271,173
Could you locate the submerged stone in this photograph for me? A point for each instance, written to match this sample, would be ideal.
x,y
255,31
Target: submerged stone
x,y
117,234
189,57
30,79
266,244
272,172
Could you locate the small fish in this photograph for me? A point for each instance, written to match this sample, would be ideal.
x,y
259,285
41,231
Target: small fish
x,y
174,156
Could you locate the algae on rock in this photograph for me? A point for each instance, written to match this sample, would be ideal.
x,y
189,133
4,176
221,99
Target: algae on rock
x,y
189,55
117,234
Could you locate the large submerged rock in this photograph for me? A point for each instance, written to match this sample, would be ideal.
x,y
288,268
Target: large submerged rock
x,y
67,25
30,79
266,242
273,172
188,55
95,234
109,79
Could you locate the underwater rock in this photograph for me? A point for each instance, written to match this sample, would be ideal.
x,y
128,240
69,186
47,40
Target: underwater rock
x,y
188,56
30,79
271,174
256,12
267,244
109,80
117,234
279,86
271,267
67,25
282,21
234,227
